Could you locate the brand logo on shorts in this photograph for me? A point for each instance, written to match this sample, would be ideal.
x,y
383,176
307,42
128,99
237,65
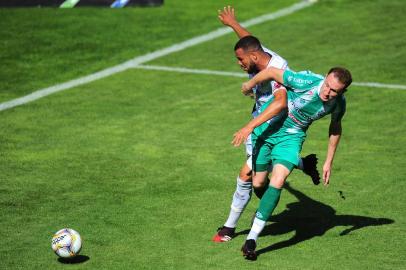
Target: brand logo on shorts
x,y
259,215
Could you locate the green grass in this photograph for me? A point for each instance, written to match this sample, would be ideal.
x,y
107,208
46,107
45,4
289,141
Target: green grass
x,y
42,47
140,163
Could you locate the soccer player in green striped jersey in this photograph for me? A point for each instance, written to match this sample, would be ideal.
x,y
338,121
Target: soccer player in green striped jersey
x,y
310,97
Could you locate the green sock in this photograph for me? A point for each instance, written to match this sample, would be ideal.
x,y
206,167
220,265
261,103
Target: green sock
x,y
268,203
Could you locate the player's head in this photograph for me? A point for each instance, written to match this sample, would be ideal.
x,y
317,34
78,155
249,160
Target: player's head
x,y
248,50
335,83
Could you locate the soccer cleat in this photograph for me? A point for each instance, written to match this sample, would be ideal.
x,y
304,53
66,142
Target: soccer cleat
x,y
248,250
224,234
310,168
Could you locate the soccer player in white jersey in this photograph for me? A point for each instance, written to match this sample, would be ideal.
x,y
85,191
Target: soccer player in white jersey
x,y
253,57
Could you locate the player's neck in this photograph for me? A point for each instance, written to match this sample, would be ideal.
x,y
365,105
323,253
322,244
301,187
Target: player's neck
x,y
264,61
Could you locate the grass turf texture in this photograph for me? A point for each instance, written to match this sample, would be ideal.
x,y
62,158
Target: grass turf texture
x,y
42,47
140,162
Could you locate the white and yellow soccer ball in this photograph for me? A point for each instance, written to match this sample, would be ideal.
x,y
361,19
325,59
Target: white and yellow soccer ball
x,y
66,243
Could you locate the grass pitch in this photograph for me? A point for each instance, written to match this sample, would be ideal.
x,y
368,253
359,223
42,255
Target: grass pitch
x,y
140,163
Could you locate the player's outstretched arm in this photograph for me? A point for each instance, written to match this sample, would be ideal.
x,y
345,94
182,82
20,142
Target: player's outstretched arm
x,y
227,17
277,105
335,131
267,74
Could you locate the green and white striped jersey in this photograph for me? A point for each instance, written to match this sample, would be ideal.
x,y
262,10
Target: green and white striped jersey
x,y
304,103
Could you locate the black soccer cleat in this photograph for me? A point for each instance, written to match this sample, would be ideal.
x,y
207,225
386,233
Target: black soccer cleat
x,y
248,250
310,168
224,234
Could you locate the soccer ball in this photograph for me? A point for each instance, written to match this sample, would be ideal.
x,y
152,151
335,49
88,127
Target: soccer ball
x,y
66,243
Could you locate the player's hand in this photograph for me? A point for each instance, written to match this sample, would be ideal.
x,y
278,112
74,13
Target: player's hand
x,y
246,88
326,173
227,16
241,136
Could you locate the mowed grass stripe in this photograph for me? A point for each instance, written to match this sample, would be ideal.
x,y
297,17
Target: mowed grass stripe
x,y
151,56
150,176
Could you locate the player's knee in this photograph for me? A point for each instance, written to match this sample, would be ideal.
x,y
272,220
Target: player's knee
x,y
245,177
259,179
278,181
279,175
258,184
245,173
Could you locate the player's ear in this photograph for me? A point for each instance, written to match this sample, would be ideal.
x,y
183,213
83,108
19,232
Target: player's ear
x,y
254,57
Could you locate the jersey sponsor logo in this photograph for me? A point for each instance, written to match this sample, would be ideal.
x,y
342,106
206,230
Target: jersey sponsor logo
x,y
299,111
291,116
302,81
295,107
299,80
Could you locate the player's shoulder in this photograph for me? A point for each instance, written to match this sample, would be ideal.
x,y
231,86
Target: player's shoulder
x,y
277,61
304,76
311,74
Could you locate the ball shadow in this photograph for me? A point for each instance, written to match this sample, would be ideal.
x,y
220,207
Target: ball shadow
x,y
75,260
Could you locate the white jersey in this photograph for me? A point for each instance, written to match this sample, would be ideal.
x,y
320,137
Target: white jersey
x,y
264,91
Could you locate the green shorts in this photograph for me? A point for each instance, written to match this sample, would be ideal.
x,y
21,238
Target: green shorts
x,y
284,150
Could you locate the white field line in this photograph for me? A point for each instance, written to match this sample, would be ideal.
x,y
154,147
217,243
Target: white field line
x,y
380,85
151,56
243,75
194,71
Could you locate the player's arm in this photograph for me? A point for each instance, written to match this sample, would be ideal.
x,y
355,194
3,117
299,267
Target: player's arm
x,y
267,74
227,17
335,131
277,106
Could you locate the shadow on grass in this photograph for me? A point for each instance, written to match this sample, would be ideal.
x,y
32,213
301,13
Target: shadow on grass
x,y
309,218
75,260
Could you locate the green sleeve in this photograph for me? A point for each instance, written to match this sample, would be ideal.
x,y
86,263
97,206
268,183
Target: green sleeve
x,y
301,80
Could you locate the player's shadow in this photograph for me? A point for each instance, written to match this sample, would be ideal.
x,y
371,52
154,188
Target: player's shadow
x,y
75,260
309,218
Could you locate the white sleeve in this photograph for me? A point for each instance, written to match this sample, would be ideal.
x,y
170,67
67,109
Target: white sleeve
x,y
276,61
267,50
